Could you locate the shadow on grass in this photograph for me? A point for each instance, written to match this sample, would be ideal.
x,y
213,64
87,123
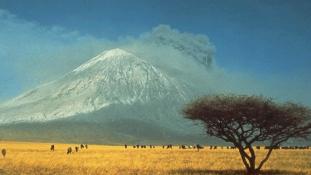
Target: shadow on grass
x,y
2,172
231,172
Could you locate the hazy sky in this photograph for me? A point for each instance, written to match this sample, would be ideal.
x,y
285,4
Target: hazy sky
x,y
267,40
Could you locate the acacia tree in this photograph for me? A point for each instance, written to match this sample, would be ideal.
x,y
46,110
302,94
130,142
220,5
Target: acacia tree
x,y
248,120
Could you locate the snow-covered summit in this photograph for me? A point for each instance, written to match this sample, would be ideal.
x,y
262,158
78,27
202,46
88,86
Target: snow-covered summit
x,y
113,77
115,53
109,54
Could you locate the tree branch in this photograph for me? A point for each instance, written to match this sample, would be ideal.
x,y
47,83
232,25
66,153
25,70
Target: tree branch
x,y
265,159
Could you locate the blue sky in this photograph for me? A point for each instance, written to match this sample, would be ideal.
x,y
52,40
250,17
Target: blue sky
x,y
264,39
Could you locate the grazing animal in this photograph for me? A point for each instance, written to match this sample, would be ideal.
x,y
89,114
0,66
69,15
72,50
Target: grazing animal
x,y
86,146
52,148
125,146
81,146
169,146
77,148
69,150
199,147
183,147
3,151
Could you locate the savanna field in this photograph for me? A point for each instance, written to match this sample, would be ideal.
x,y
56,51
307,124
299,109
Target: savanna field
x,y
36,158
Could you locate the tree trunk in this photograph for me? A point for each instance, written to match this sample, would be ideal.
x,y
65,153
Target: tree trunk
x,y
252,159
252,171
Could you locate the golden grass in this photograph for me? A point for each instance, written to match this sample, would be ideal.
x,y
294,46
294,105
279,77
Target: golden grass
x,y
36,158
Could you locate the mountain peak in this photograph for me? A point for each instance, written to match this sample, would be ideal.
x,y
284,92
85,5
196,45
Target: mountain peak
x,y
117,52
108,54
114,77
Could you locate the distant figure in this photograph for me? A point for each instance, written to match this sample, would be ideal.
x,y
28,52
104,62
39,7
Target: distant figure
x,y
199,147
52,148
3,151
77,148
125,146
69,150
81,146
169,146
86,146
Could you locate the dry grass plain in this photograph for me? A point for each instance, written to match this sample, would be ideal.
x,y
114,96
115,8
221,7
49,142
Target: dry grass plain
x,y
36,158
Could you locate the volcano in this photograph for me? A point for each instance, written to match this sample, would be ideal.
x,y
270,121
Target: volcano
x,y
115,97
